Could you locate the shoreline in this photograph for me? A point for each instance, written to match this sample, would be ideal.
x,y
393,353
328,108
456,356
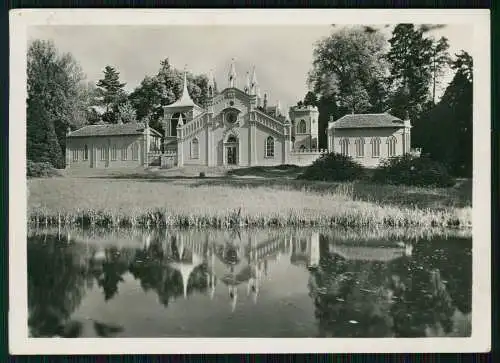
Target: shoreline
x,y
157,199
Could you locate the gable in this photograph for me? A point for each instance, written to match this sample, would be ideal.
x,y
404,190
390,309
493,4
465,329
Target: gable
x,y
231,98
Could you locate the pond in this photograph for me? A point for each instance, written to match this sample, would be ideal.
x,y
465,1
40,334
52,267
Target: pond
x,y
247,283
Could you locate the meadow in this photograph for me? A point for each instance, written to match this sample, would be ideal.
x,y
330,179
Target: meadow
x,y
245,197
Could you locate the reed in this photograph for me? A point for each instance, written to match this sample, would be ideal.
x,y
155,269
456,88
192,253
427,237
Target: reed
x,y
186,203
374,217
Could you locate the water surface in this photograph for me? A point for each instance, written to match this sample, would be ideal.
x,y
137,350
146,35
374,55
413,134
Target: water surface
x,y
247,283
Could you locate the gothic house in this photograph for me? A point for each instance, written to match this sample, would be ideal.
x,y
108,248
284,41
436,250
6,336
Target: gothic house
x,y
236,128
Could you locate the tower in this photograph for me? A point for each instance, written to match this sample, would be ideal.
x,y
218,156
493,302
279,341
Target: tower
x,y
304,127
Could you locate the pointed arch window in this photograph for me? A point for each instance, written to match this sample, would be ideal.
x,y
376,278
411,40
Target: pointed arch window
x,y
360,147
375,142
391,146
270,147
195,149
302,127
344,147
85,152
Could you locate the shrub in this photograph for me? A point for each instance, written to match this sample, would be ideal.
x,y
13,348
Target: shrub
x,y
333,167
202,174
287,167
412,170
40,170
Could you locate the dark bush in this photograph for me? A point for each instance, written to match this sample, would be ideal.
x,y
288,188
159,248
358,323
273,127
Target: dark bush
x,y
287,166
40,170
412,170
202,174
333,167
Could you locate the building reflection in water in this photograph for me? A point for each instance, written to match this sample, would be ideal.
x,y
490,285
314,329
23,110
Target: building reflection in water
x,y
369,289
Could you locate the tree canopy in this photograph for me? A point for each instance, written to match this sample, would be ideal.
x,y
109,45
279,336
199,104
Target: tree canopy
x,y
57,99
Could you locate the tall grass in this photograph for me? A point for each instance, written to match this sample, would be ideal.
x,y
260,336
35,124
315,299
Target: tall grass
x,y
180,203
374,217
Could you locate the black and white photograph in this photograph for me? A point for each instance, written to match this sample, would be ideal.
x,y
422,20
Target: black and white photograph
x,y
204,178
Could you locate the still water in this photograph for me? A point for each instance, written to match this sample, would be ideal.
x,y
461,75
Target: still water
x,y
247,283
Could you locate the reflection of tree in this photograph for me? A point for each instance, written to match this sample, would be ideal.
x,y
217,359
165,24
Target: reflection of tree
x,y
344,307
56,284
407,297
109,273
420,298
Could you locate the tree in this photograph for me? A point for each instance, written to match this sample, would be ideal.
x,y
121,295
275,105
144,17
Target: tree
x,y
56,100
126,112
349,63
445,131
310,99
111,93
349,70
163,89
440,58
410,58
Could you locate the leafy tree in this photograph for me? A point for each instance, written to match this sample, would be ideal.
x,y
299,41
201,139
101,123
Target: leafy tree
x,y
310,99
56,100
127,112
111,93
350,64
163,89
410,57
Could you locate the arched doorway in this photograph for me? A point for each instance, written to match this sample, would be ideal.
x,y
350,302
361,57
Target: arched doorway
x,y
231,150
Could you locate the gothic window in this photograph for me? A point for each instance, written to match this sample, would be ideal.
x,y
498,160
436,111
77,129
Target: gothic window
x,y
85,152
270,147
195,149
301,127
113,152
344,147
135,151
125,153
391,146
375,147
360,147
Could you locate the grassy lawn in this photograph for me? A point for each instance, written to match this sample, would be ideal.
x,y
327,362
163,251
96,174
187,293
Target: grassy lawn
x,y
249,197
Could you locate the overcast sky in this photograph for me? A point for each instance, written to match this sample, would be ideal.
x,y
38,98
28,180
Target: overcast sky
x,y
282,54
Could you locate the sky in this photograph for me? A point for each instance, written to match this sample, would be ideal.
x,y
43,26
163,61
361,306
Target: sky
x,y
281,54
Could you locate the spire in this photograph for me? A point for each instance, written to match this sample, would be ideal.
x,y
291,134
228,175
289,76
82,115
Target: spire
x,y
247,85
265,101
185,99
180,122
253,83
278,108
211,83
232,75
